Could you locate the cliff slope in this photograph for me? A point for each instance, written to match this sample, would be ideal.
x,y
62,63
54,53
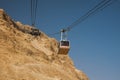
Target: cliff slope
x,y
24,56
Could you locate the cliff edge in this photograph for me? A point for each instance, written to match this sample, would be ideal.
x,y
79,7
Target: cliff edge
x,y
24,56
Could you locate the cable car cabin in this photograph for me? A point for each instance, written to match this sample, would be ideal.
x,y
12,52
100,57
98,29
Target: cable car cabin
x,y
35,32
64,47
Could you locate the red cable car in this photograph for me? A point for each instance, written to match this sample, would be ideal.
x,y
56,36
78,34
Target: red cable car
x,y
64,45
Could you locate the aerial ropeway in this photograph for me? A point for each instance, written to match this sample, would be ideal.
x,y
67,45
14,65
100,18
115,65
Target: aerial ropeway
x,y
64,45
34,30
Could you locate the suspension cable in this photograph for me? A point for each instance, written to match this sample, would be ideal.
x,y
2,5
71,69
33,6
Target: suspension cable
x,y
100,6
33,12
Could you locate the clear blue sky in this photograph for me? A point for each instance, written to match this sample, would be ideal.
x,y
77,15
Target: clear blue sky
x,y
95,43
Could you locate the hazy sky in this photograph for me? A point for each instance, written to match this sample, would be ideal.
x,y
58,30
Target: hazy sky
x,y
95,43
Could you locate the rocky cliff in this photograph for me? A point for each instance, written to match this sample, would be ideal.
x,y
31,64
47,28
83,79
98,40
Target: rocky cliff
x,y
24,56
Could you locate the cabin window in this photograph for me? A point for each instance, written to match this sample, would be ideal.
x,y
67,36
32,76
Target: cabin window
x,y
64,43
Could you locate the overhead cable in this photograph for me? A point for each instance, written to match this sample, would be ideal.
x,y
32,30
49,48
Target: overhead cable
x,y
33,12
100,6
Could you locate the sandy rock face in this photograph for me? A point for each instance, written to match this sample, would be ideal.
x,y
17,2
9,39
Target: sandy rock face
x,y
24,56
